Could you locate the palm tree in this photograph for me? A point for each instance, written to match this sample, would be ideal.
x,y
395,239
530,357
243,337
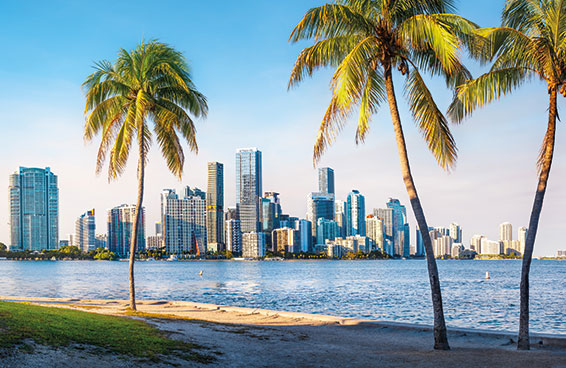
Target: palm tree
x,y
150,83
530,44
365,40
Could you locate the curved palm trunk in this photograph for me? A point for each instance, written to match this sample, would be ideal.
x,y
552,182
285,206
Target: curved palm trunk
x,y
440,336
137,223
548,147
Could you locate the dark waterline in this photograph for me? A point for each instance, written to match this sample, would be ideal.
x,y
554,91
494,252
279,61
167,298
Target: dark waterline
x,y
380,290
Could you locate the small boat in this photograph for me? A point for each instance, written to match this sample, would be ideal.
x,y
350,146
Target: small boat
x,y
487,275
172,257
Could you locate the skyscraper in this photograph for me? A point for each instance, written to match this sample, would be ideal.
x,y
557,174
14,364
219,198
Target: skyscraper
x,y
326,180
374,231
183,222
233,236
253,245
319,205
305,232
326,230
355,213
340,217
248,188
34,209
505,232
420,249
456,233
522,236
215,207
270,212
120,227
85,232
401,241
386,215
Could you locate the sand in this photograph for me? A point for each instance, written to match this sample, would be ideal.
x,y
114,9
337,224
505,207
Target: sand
x,y
262,338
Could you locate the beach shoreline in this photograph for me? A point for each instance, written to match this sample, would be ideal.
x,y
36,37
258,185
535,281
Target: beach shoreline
x,y
288,339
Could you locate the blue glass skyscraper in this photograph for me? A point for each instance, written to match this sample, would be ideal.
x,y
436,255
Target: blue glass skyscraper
x,y
355,214
34,209
248,188
401,241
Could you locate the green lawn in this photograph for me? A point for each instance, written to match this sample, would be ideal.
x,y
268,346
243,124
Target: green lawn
x,y
62,327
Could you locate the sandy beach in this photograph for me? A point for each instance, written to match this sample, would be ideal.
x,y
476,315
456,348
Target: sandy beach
x,y
247,337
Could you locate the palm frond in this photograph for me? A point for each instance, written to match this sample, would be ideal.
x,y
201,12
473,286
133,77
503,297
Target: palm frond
x,y
430,121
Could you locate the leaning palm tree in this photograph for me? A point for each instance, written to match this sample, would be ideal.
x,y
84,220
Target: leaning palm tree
x,y
530,44
149,84
365,40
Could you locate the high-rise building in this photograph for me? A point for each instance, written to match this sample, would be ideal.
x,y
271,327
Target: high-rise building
x,y
184,223
522,237
326,230
158,228
374,231
154,241
505,232
340,217
215,207
401,241
85,232
355,213
475,243
34,209
442,245
233,236
101,240
286,240
253,245
248,188
305,233
319,205
456,232
326,180
491,247
386,215
270,212
420,248
120,227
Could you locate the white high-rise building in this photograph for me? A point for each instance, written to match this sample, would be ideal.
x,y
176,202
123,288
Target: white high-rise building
x,y
442,246
374,231
85,235
505,232
340,216
253,245
491,247
522,237
456,232
475,243
183,222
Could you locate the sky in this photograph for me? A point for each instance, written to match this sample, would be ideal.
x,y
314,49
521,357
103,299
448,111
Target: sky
x,y
241,60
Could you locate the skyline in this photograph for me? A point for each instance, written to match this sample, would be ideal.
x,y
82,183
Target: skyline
x,y
250,96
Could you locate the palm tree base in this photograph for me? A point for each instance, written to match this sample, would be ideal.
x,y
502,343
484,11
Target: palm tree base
x,y
523,344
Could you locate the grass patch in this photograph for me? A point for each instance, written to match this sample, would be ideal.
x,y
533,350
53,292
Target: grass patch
x,y
62,327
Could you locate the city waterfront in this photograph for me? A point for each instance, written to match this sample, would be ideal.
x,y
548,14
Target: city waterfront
x,y
391,290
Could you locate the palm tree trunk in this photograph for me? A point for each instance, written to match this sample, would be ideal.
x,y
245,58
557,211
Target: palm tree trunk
x,y
548,152
137,223
440,335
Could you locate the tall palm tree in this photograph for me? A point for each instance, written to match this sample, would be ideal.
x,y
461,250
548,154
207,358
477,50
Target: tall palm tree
x,y
530,44
365,40
149,84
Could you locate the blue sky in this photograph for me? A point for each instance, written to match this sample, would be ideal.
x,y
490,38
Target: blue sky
x,y
241,61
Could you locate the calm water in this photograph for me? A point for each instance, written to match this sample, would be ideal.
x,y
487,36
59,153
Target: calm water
x,y
383,290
